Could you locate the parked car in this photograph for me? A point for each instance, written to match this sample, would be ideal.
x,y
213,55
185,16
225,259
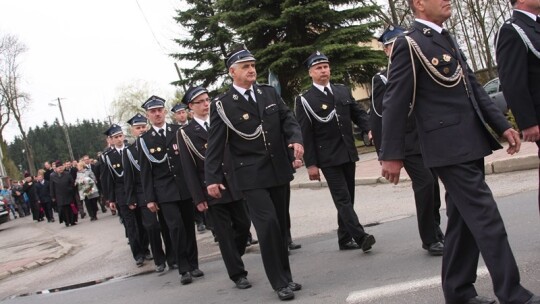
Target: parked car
x,y
494,90
4,212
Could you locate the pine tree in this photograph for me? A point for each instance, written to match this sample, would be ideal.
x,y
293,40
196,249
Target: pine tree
x,y
282,34
206,46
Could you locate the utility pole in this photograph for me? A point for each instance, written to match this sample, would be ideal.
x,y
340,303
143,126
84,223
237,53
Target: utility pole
x,y
70,150
180,76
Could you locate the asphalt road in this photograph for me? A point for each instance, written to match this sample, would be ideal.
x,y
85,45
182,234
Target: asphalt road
x,y
396,271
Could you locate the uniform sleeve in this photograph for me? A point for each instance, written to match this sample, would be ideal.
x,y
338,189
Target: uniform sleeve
x,y
216,145
289,125
375,121
147,180
512,66
310,157
129,180
190,170
396,100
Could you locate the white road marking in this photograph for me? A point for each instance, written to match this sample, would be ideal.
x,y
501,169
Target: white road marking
x,y
400,288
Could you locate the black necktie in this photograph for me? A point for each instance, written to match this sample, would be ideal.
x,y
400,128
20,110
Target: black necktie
x,y
249,98
446,34
206,126
162,133
327,91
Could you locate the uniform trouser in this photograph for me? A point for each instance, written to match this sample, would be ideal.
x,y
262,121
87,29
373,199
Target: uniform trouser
x,y
67,215
166,236
341,184
475,226
130,223
231,225
179,218
289,236
91,206
423,184
153,231
143,236
267,210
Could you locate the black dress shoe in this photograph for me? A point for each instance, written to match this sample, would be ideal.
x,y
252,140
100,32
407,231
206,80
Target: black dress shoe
x,y
186,278
160,268
435,249
242,283
148,257
197,273
173,266
295,286
285,293
367,242
139,262
533,300
294,246
201,227
349,246
480,300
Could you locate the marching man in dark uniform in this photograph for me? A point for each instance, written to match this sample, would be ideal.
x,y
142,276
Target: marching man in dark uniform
x,y
326,112
135,197
429,74
116,194
518,58
102,167
165,188
255,123
228,213
425,185
180,114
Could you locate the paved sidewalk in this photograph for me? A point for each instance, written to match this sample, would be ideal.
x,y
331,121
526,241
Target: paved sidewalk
x,y
368,169
35,245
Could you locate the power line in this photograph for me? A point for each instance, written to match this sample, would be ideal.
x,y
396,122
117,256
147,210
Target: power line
x,y
150,27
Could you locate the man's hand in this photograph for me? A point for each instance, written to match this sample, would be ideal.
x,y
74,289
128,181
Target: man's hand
x,y
214,190
370,136
202,206
112,205
531,134
297,163
152,206
132,206
298,150
512,136
391,170
313,172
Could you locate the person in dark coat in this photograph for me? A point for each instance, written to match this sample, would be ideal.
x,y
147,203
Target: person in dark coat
x,y
258,128
44,193
116,193
63,194
155,229
165,188
29,187
228,213
518,61
425,183
326,113
430,76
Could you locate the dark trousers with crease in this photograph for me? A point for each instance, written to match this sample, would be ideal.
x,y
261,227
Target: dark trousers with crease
x,y
341,184
267,210
130,224
178,216
475,226
231,225
427,204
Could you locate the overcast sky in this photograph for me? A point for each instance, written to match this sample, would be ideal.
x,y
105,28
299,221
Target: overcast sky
x,y
84,50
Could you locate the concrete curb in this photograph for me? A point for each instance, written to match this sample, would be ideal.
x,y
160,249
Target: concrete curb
x,y
499,166
66,249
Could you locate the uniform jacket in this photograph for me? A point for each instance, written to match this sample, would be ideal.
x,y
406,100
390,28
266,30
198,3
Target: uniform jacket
x,y
162,182
412,147
113,178
519,69
62,188
102,168
31,190
258,163
332,143
132,176
194,167
44,191
451,125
